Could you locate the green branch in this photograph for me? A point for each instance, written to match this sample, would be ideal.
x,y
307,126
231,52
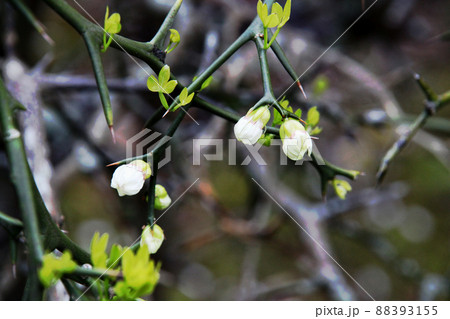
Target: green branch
x,y
433,104
22,179
160,36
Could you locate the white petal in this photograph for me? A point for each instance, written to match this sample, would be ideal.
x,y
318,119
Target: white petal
x,y
248,132
127,180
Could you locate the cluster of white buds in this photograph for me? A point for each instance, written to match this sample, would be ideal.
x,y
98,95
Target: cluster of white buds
x,y
296,140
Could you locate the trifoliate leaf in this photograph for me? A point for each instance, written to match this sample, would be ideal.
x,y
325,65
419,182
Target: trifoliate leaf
x,y
313,116
153,84
98,247
140,275
53,268
341,188
185,99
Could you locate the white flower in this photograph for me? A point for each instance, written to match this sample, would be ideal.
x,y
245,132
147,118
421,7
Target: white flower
x,y
296,141
162,199
128,179
249,128
153,238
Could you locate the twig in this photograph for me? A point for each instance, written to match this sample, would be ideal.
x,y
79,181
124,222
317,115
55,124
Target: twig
x,y
433,104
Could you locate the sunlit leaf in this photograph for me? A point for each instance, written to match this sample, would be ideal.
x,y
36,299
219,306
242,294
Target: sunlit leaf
x,y
313,116
341,188
98,248
272,20
153,84
53,268
170,86
164,75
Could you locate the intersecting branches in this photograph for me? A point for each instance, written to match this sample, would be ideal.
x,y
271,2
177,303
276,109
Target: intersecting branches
x,y
433,104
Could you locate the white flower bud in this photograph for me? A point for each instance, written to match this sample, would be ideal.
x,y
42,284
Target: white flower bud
x,y
296,141
162,199
128,179
153,238
249,128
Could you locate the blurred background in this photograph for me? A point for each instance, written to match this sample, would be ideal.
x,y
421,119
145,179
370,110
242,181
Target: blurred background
x,y
226,239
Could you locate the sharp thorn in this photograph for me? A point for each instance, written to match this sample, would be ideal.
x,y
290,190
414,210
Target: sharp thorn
x,y
111,129
301,89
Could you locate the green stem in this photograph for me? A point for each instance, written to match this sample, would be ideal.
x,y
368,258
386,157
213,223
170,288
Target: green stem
x,y
22,179
433,104
151,191
246,36
274,36
268,97
12,225
266,35
160,36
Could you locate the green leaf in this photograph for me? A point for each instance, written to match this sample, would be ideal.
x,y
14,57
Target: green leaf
x,y
153,84
299,113
185,99
206,83
114,256
174,36
266,139
164,75
316,131
183,95
284,103
170,86
163,100
140,275
272,21
286,13
277,9
53,268
277,119
113,25
98,248
341,188
262,11
313,116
